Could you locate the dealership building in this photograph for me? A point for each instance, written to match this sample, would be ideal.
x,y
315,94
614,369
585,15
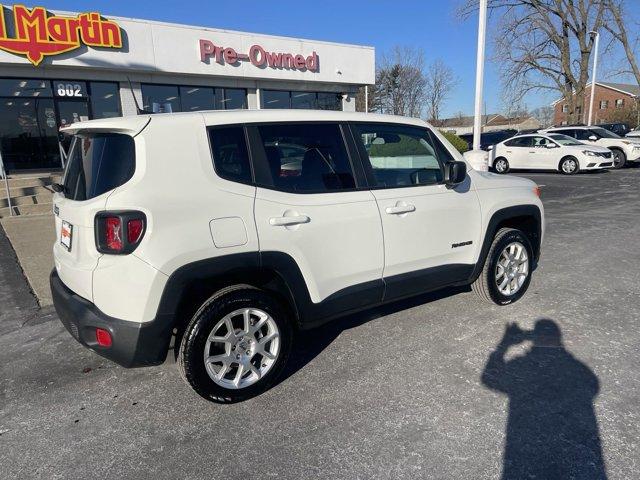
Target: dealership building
x,y
57,68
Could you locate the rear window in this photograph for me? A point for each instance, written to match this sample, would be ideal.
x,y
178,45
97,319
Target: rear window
x,y
98,163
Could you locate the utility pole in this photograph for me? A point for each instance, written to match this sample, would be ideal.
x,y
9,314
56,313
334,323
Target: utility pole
x,y
593,75
478,158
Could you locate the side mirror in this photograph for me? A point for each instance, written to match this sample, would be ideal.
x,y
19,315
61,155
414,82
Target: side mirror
x,y
489,148
593,138
551,145
454,173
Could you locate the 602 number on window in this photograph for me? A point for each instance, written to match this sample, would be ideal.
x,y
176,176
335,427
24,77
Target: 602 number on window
x,y
69,90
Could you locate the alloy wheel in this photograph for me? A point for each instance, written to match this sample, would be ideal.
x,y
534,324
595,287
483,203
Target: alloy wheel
x,y
241,348
512,268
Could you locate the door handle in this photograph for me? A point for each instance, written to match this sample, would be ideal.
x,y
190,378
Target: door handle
x,y
400,209
288,221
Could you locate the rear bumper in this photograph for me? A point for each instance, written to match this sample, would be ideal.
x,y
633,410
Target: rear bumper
x,y
133,344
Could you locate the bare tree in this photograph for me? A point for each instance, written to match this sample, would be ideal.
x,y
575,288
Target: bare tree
x,y
616,25
545,45
400,82
544,115
440,81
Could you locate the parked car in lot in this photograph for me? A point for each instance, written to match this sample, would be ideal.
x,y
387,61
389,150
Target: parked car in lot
x,y
633,133
489,139
618,128
548,152
198,228
624,149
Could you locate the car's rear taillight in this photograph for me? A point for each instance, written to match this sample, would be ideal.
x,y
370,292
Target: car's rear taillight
x,y
119,232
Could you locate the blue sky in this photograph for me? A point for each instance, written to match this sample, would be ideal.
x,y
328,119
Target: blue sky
x,y
427,24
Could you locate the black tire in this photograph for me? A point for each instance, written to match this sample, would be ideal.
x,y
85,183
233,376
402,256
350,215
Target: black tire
x,y
566,170
503,161
619,158
192,348
485,285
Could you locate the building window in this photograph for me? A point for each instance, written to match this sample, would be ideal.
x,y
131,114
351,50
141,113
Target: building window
x,y
604,104
197,98
304,100
275,99
565,108
171,98
161,98
307,100
231,98
17,87
619,102
105,99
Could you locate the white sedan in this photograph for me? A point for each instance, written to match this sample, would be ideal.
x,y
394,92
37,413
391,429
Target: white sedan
x,y
551,151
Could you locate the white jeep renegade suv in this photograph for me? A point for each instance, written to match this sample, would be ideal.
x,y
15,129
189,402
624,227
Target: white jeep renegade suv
x,y
226,232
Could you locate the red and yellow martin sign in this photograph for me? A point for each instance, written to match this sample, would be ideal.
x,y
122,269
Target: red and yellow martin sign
x,y
38,34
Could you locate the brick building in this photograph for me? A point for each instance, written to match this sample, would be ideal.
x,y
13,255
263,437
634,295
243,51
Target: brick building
x,y
610,99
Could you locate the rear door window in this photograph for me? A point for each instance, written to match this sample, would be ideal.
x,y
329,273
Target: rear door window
x,y
519,142
98,163
304,157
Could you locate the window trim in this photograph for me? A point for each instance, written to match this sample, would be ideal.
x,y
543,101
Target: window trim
x,y
366,162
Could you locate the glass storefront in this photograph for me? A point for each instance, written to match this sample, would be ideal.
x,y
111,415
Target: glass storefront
x,y
171,98
32,110
308,100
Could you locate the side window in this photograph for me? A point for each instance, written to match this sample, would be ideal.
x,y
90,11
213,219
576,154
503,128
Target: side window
x,y
402,155
304,157
583,134
569,132
540,142
519,142
230,157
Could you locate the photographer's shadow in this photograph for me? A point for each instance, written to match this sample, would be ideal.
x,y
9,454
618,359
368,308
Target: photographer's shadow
x,y
552,430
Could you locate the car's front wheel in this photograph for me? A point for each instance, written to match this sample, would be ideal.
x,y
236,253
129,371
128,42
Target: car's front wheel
x,y
506,274
501,165
569,165
236,344
619,158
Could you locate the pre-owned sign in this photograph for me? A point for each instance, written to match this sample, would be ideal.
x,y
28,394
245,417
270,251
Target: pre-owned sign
x,y
38,34
258,56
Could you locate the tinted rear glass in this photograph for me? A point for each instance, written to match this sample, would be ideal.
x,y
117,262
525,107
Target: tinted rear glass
x,y
99,163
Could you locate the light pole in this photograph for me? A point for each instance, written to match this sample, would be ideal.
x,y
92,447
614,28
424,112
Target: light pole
x,y
478,158
593,75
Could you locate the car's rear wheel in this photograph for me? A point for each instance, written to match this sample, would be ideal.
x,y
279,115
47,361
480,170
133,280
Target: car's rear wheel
x,y
501,165
236,344
619,158
506,274
569,165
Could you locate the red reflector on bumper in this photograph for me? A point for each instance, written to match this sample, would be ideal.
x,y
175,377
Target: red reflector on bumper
x,y
103,337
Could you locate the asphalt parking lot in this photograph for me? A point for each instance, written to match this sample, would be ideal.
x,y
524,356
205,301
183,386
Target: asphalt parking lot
x,y
409,391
